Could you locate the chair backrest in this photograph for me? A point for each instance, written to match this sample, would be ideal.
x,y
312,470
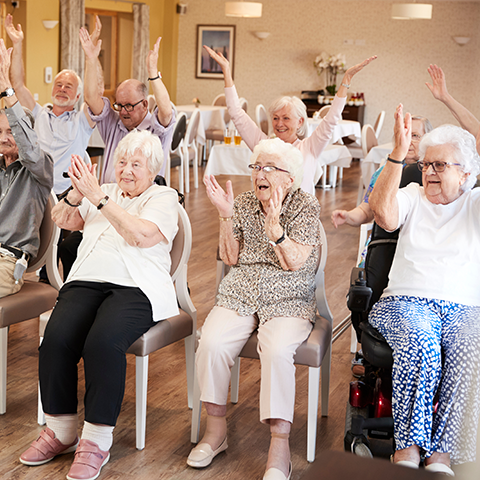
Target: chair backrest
x,y
323,111
174,108
261,117
49,234
379,123
320,294
369,139
243,104
220,100
179,131
182,245
192,127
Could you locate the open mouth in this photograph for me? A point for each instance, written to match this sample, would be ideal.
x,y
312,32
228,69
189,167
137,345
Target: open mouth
x,y
263,187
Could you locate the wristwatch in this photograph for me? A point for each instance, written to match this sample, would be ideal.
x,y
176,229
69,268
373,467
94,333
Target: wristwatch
x,y
9,92
103,202
280,240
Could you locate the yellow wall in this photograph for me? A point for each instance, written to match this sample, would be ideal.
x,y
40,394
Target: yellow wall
x,y
41,47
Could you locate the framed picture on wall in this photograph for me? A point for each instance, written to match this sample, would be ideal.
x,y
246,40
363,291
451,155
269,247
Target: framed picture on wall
x,y
220,38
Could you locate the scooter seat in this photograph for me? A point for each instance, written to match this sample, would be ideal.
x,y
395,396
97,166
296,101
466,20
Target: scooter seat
x,y
375,348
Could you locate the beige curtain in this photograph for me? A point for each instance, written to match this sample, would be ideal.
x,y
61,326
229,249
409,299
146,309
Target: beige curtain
x,y
72,17
141,39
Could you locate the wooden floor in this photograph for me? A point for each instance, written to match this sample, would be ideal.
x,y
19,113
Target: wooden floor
x,y
168,417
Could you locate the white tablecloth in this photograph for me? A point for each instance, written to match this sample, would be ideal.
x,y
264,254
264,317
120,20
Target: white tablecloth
x,y
211,116
376,157
232,160
344,128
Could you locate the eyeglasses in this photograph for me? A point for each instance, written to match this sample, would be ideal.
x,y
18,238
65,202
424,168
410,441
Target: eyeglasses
x,y
128,107
267,169
438,167
416,137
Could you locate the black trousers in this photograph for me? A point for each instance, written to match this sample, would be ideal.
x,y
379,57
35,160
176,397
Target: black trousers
x,y
99,322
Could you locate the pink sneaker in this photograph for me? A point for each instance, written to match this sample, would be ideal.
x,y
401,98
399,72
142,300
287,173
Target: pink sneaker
x,y
45,448
89,460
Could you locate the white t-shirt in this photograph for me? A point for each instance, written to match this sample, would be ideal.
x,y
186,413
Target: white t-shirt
x,y
149,268
438,250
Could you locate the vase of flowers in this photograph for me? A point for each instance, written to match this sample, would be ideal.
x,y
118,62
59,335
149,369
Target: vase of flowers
x,y
332,65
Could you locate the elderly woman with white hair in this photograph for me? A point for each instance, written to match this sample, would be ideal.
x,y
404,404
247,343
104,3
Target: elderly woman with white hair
x,y
289,119
118,287
431,306
271,237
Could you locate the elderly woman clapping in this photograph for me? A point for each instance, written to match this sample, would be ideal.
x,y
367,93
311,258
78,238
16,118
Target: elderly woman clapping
x,y
271,238
118,287
289,119
430,311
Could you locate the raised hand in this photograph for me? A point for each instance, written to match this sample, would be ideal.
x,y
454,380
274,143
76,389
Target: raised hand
x,y
152,59
15,34
402,133
5,60
91,50
352,71
219,58
84,180
97,30
439,87
272,218
222,200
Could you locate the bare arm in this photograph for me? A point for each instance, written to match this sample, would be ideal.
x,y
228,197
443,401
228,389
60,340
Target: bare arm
x,y
66,216
136,232
224,65
349,74
292,255
223,201
467,120
91,88
160,92
356,217
17,72
383,199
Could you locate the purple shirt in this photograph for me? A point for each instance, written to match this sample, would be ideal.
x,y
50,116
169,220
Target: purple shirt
x,y
112,130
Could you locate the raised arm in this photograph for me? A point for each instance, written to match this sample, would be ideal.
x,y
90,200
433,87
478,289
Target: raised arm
x,y
93,97
356,217
350,73
383,199
292,255
223,201
17,72
224,65
467,120
160,92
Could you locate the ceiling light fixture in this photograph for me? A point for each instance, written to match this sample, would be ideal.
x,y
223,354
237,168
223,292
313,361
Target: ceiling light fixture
x,y
243,9
411,11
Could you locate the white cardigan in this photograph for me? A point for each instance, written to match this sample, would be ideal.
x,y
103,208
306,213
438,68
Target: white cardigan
x,y
148,267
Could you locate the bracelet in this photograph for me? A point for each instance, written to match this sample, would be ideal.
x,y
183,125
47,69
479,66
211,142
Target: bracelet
x,y
225,219
155,78
71,204
345,85
398,162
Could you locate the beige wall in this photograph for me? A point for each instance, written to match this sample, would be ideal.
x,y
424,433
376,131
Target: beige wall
x,y
282,64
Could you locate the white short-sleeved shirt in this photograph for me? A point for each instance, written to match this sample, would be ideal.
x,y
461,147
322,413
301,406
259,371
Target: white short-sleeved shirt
x,y
149,268
438,250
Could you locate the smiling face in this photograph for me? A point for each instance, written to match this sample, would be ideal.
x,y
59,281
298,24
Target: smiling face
x,y
8,147
444,187
128,93
64,91
132,174
418,132
286,124
264,184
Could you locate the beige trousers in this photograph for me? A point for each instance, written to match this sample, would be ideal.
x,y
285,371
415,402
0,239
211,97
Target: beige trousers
x,y
223,336
7,283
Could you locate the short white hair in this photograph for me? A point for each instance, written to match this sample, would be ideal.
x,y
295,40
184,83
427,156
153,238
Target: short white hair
x,y
299,110
79,80
465,147
286,152
145,142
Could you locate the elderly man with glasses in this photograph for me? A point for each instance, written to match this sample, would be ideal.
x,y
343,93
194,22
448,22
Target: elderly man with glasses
x,y
130,109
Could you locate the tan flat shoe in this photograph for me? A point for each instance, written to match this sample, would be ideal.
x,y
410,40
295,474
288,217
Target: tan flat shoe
x,y
276,474
203,454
